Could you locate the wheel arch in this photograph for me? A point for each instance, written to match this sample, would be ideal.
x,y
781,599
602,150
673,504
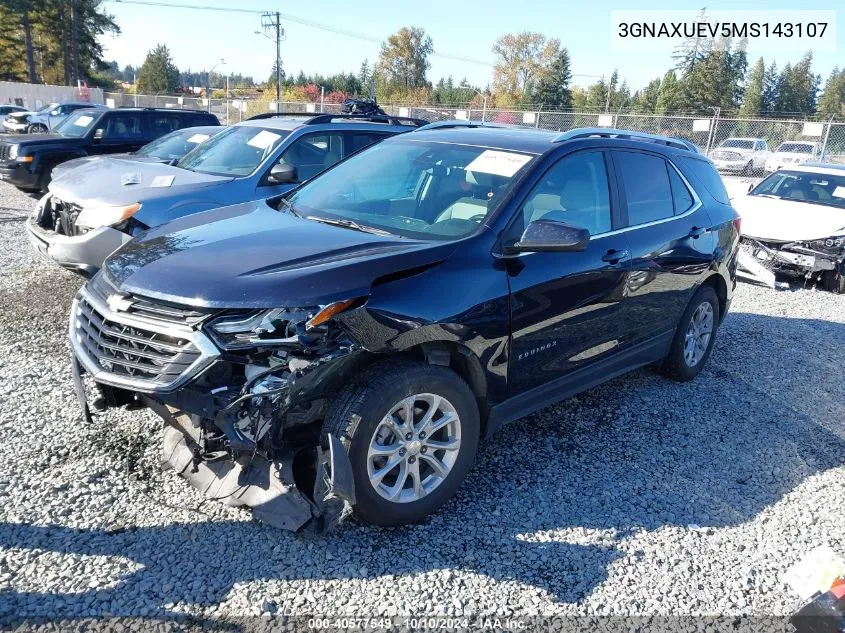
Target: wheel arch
x,y
717,282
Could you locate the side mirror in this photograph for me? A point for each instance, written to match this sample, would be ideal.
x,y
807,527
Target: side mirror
x,y
550,235
99,133
283,174
55,112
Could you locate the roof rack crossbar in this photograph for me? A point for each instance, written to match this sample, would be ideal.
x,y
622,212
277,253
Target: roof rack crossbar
x,y
327,117
604,132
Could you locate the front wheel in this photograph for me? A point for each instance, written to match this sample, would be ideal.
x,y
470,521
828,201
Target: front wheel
x,y
694,337
834,280
411,431
37,128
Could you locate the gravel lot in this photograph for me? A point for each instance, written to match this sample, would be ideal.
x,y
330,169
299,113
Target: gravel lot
x,y
592,506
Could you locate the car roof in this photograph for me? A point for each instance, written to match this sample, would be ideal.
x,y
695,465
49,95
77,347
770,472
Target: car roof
x,y
290,123
743,138
819,168
529,140
799,143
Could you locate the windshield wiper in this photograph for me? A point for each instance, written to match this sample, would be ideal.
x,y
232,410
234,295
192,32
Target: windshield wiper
x,y
289,205
350,224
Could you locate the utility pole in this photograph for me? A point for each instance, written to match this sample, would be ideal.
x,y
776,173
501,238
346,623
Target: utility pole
x,y
272,25
74,50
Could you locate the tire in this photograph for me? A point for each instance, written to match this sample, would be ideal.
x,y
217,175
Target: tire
x,y
748,169
358,418
46,178
37,128
834,280
678,364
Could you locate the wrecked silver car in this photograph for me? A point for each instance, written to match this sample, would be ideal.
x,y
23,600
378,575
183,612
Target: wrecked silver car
x,y
793,225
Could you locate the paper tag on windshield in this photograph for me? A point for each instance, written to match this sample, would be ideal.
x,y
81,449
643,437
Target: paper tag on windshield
x,y
815,572
130,179
491,161
162,181
839,192
83,121
263,139
196,139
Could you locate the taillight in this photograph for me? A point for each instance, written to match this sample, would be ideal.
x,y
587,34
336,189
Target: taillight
x,y
738,224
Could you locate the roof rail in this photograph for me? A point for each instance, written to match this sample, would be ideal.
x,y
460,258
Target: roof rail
x,y
327,117
456,123
604,132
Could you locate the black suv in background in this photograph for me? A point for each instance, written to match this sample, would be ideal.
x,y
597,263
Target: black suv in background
x,y
27,161
350,342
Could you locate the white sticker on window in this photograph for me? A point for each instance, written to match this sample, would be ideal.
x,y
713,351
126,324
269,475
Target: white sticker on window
x,y
839,192
83,121
196,139
491,161
263,139
162,181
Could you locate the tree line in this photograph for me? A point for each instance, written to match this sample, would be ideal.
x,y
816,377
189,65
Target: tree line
x,y
57,41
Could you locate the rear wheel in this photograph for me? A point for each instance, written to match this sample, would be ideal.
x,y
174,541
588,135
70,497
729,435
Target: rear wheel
x,y
694,337
411,431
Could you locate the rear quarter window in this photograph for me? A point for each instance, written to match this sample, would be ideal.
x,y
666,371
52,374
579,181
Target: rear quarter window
x,y
704,174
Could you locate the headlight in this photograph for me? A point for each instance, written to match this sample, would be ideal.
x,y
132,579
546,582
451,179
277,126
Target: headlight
x,y
834,243
95,217
13,151
268,327
278,326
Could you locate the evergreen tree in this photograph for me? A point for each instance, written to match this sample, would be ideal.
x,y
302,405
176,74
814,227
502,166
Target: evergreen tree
x,y
771,88
669,96
645,100
158,74
832,101
552,90
752,103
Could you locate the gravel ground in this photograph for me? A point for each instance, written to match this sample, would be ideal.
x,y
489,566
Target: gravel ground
x,y
592,506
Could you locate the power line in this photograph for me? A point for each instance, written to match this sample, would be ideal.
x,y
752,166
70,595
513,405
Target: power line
x,y
297,20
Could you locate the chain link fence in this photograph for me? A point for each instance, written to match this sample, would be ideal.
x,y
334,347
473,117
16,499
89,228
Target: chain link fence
x,y
706,133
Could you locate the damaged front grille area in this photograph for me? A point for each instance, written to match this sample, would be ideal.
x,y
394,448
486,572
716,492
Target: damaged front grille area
x,y
126,351
145,307
60,216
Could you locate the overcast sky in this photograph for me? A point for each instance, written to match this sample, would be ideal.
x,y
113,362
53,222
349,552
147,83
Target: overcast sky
x,y
464,29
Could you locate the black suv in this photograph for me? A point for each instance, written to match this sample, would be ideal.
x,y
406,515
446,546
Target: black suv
x,y
350,342
27,161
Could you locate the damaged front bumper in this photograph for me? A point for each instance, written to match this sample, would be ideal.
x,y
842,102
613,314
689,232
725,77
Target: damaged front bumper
x,y
760,261
241,433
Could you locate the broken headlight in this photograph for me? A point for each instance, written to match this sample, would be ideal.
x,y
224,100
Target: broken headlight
x,y
833,244
279,326
265,327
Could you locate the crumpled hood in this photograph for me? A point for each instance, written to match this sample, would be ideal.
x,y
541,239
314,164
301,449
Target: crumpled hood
x,y
252,256
100,182
788,220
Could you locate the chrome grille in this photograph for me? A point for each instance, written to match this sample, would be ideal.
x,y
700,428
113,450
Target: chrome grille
x,y
146,307
128,351
5,149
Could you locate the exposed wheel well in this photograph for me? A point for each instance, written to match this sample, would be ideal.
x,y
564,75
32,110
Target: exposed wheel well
x,y
717,282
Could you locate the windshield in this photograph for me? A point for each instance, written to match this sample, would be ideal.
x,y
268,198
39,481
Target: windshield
x,y
176,144
48,109
800,148
413,188
77,124
737,143
236,152
802,186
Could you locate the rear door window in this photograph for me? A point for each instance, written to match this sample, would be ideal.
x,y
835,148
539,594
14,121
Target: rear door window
x,y
360,140
706,175
645,178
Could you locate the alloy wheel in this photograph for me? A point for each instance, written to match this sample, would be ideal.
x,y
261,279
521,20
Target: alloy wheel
x,y
698,334
414,448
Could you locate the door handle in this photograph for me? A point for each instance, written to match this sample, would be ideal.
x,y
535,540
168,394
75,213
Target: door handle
x,y
614,257
697,232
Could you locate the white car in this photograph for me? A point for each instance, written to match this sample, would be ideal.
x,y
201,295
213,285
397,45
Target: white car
x,y
793,222
741,155
793,153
